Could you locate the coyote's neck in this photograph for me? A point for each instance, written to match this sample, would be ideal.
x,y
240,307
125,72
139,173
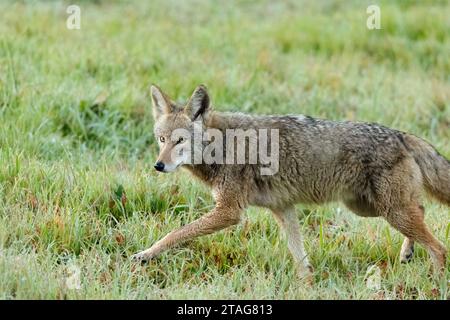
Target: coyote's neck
x,y
204,172
221,121
225,120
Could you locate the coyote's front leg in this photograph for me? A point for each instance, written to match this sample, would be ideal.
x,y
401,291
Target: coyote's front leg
x,y
287,219
223,215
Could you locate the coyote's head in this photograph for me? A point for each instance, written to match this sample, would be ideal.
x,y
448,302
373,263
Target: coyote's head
x,y
176,127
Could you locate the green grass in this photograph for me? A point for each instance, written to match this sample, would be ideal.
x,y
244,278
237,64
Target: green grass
x,y
77,189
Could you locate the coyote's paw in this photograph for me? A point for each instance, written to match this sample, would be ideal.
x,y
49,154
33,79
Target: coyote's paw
x,y
406,254
142,257
305,275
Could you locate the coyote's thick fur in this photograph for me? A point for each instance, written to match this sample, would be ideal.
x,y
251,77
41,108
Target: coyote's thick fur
x,y
375,171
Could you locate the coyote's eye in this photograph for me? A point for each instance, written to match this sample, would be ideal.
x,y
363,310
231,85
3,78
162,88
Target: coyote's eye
x,y
162,139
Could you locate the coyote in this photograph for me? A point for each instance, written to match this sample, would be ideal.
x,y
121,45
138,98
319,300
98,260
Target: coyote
x,y
375,171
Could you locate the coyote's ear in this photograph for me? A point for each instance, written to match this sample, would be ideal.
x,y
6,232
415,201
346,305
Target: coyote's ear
x,y
198,103
161,103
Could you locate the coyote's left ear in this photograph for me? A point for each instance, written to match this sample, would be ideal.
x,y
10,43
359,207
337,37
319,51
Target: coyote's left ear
x,y
198,104
161,102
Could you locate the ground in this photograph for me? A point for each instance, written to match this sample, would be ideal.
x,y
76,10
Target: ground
x,y
79,196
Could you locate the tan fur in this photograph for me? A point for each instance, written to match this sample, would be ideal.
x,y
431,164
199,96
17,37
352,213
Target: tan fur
x,y
374,170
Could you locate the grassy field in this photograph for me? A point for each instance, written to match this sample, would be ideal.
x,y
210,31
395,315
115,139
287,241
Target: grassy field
x,y
79,196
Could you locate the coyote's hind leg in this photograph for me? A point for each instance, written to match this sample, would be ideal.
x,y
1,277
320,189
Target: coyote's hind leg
x,y
410,222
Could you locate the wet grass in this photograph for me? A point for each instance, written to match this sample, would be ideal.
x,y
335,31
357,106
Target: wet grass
x,y
77,189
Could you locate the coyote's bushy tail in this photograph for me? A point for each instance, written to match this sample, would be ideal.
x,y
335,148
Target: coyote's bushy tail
x,y
435,168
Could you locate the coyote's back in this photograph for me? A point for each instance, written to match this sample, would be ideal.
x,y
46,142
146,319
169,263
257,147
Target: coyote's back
x,y
322,160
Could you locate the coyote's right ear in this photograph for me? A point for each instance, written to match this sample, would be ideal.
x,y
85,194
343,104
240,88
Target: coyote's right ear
x,y
161,103
198,104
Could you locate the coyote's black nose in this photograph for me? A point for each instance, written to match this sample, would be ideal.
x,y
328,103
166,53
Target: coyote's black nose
x,y
159,166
